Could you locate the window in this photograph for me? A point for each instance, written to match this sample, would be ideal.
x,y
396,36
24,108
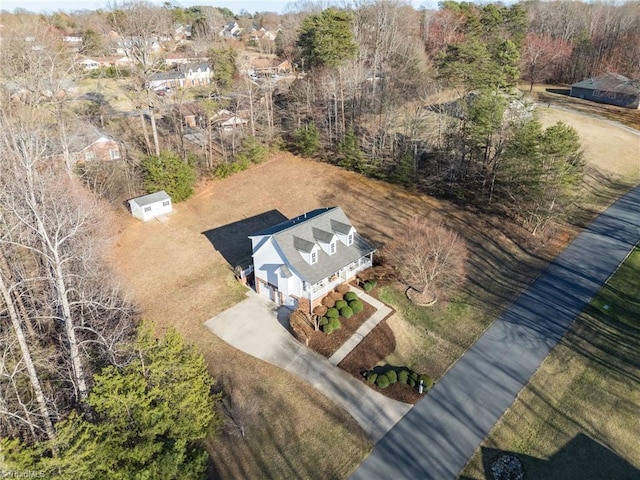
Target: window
x,y
332,248
147,209
166,203
314,257
88,156
114,154
350,239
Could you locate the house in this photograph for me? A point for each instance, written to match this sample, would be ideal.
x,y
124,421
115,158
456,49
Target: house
x,y
231,30
150,206
164,80
299,261
196,73
227,121
89,64
610,88
85,144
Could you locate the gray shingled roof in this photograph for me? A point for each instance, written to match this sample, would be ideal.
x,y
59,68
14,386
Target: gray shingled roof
x,y
288,241
145,200
611,82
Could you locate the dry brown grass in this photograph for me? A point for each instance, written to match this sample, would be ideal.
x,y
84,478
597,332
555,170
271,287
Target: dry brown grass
x,y
176,276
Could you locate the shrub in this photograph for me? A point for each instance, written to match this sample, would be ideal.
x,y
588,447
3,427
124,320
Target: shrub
x,y
336,296
328,302
252,151
170,173
343,289
403,376
328,328
305,140
340,304
371,377
392,376
426,380
346,312
349,296
324,321
368,286
356,305
411,382
335,323
382,381
320,310
333,313
413,376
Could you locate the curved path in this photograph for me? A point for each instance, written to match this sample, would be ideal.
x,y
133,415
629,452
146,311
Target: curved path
x,y
438,436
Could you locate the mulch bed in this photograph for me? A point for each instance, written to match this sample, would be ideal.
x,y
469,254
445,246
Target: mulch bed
x,y
374,348
326,345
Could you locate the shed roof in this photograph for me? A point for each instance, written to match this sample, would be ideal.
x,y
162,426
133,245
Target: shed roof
x,y
610,82
151,198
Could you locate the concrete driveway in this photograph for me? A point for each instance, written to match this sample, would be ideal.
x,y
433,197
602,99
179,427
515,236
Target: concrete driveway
x,y
253,326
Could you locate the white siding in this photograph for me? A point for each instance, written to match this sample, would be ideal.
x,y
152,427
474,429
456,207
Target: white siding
x,y
153,210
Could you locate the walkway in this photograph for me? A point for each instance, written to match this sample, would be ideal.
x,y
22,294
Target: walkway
x,y
352,342
253,327
438,436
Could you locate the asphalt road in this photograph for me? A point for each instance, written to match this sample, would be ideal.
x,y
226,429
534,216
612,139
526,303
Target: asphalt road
x,y
438,436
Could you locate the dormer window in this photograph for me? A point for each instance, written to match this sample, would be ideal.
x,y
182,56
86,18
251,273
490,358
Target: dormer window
x,y
350,239
332,248
314,257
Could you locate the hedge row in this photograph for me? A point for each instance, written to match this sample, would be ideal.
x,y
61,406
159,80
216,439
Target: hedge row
x,y
337,304
398,374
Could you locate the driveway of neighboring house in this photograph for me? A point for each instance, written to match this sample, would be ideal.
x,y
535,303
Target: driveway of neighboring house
x,y
256,327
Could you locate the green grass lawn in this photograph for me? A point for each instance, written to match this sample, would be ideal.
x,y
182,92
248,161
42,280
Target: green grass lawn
x,y
579,417
445,331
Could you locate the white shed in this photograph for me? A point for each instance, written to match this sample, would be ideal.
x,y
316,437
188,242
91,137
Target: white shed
x,y
150,206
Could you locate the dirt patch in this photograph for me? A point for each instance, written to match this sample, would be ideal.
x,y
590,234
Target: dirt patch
x,y
328,344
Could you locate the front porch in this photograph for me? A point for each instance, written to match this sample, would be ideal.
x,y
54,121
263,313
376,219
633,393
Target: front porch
x,y
316,292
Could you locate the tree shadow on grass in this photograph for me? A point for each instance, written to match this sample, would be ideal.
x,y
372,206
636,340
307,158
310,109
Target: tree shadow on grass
x,y
581,458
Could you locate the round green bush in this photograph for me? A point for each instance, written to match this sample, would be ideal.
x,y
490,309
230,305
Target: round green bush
x,y
371,377
382,381
411,382
328,328
392,376
427,381
350,296
324,321
335,323
340,304
403,376
346,312
413,376
356,305
333,313
368,286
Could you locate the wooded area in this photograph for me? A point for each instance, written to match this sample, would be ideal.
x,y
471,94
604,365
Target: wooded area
x,y
434,100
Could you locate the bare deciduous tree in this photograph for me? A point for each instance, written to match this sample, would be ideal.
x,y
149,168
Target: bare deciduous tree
x,y
430,258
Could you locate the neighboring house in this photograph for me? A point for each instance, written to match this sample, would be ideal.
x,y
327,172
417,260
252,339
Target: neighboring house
x,y
85,144
164,80
227,121
150,206
611,88
89,64
179,58
231,30
297,262
196,73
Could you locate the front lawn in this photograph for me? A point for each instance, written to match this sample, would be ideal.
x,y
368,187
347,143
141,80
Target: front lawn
x,y
578,416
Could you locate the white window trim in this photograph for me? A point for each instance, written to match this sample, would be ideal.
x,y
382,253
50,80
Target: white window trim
x,y
350,239
313,258
332,248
